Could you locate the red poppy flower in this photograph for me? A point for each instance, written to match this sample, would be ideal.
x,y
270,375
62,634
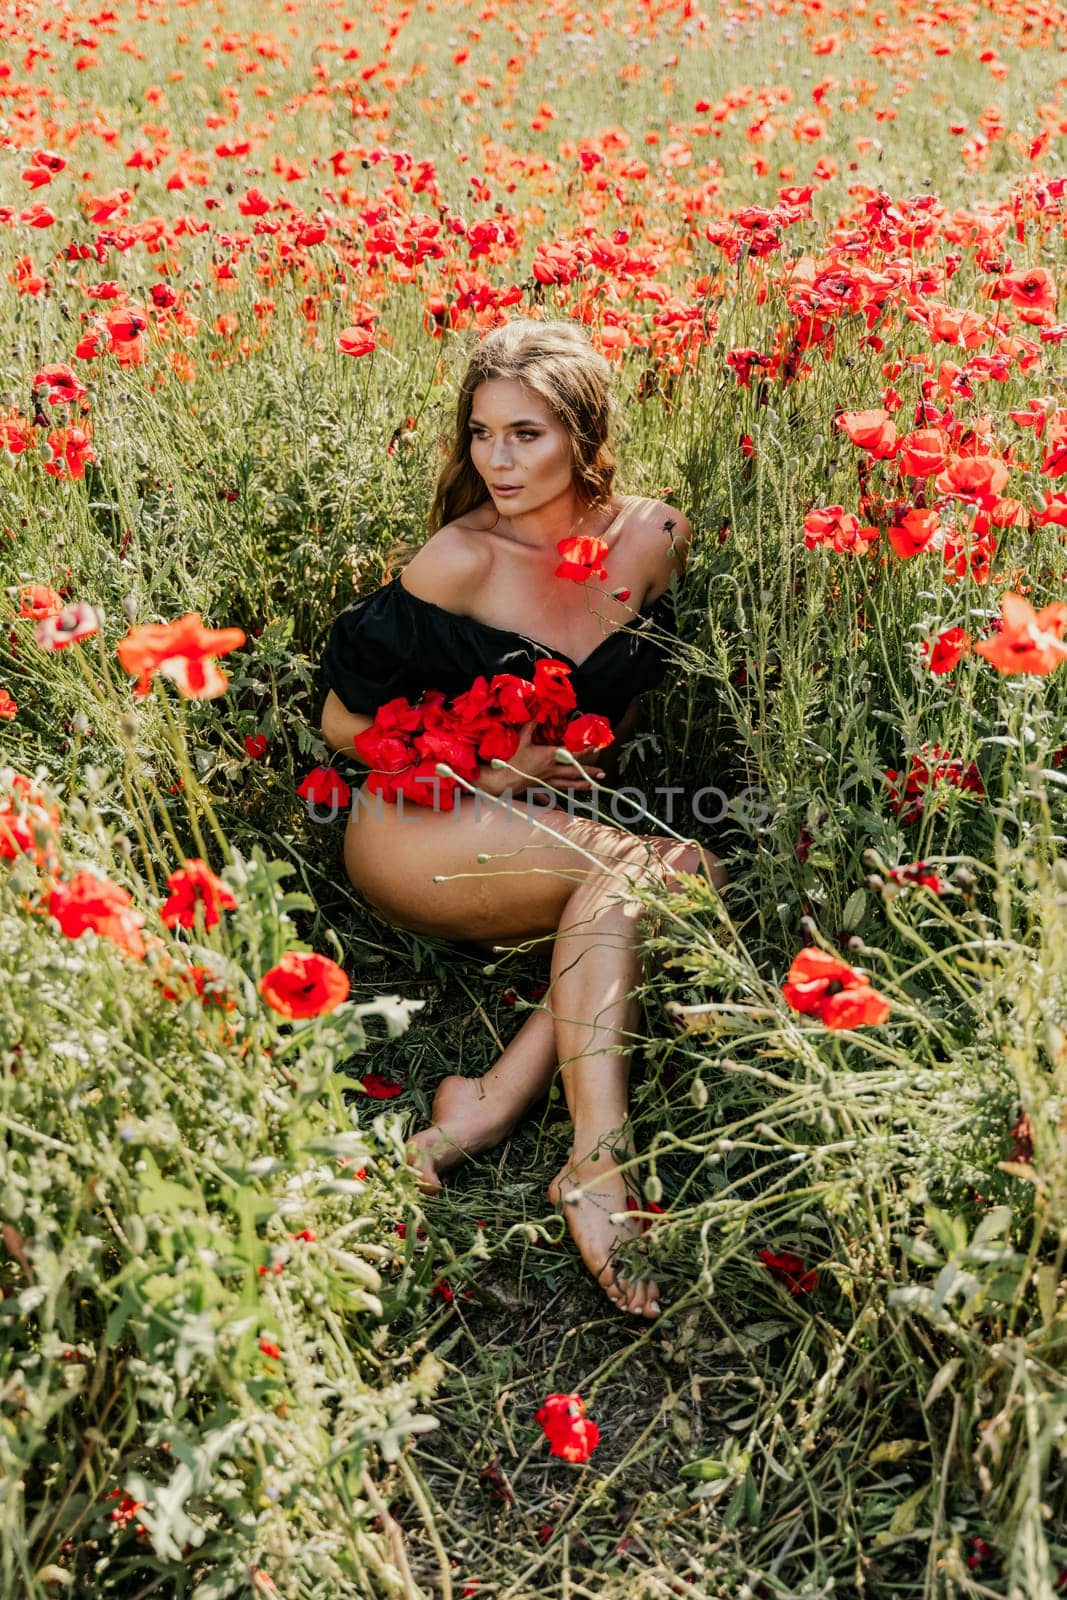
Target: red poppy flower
x,y
1053,512
255,746
356,342
90,903
922,453
503,701
126,1510
378,1087
951,324
820,985
1028,640
325,788
253,203
60,384
1054,462
14,433
406,743
917,873
382,750
74,622
911,532
455,747
982,1553
932,766
499,742
873,431
791,1270
183,652
28,823
746,361
195,885
8,707
838,528
38,216
552,689
304,985
587,733
975,478
92,343
199,981
70,452
946,650
582,558
125,325
1032,290
570,1433
37,601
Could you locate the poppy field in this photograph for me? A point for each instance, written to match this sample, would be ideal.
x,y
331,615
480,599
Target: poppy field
x,y
246,250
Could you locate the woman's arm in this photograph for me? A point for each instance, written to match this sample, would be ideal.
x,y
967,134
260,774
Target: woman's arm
x,y
340,727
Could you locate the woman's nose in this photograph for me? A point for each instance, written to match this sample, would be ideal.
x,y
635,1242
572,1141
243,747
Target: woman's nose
x,y
500,454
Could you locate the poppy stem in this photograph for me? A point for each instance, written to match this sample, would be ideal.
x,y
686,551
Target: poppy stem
x,y
137,805
193,790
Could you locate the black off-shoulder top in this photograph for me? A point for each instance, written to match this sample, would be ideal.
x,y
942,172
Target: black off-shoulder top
x,y
392,643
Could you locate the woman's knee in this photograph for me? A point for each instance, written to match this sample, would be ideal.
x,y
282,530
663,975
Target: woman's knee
x,y
690,858
626,872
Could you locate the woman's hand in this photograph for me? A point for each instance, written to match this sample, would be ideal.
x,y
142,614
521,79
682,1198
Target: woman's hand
x,y
537,764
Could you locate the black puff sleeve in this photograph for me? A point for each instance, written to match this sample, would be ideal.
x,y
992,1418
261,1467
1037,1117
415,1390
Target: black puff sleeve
x,y
372,652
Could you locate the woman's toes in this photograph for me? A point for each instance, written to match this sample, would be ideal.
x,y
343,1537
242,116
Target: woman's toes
x,y
638,1298
421,1162
650,1306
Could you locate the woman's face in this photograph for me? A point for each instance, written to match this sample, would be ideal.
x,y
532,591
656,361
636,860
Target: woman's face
x,y
521,450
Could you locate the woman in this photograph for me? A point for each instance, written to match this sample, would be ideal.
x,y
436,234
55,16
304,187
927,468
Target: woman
x,y
530,465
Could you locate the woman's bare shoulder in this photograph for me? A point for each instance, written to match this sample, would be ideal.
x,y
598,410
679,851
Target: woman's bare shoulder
x,y
663,534
451,565
657,516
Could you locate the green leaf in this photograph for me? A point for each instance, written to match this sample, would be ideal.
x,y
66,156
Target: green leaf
x,y
159,1196
894,1450
707,1470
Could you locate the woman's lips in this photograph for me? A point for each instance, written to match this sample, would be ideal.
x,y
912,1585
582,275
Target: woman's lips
x,y
506,488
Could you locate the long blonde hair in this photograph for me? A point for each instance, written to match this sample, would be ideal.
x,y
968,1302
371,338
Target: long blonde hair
x,y
556,361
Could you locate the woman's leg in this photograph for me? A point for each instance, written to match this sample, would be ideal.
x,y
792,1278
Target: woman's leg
x,y
487,874
490,875
474,1114
596,967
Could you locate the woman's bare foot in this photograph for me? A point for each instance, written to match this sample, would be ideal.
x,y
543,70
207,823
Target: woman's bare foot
x,y
469,1115
593,1196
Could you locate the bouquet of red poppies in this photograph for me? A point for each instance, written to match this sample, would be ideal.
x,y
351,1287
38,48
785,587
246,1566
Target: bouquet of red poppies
x,y
405,743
